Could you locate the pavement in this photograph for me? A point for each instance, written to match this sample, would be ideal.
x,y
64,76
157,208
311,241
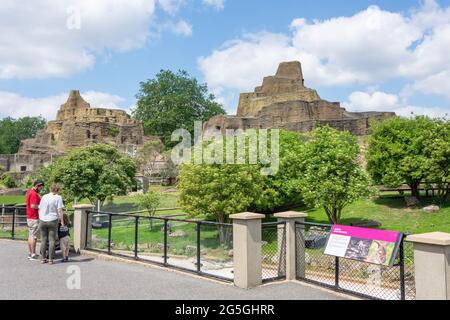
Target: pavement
x,y
104,279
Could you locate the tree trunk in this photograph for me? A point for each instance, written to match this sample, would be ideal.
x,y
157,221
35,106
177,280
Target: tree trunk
x,y
415,190
221,220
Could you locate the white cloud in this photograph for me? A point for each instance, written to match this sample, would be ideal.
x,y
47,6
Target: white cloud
x,y
216,4
16,106
171,6
181,27
381,101
45,38
370,47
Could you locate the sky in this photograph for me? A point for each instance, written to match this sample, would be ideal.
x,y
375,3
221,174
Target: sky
x,y
368,55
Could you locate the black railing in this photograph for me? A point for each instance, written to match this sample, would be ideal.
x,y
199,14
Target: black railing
x,y
202,247
351,276
13,222
273,251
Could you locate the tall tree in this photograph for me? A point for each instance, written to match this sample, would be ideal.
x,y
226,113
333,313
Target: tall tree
x,y
12,131
172,101
398,151
438,151
331,176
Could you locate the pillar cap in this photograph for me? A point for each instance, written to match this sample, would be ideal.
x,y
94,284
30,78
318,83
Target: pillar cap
x,y
291,215
435,238
247,216
83,206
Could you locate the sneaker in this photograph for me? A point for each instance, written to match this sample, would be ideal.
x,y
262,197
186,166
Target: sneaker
x,y
67,259
44,261
33,257
63,260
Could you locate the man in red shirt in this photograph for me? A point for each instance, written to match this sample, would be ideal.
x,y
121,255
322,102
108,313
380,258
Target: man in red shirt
x,y
33,200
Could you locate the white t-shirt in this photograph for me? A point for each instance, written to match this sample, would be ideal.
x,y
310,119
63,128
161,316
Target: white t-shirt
x,y
49,206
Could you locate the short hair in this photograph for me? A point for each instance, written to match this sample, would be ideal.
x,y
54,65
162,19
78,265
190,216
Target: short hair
x,y
38,183
54,188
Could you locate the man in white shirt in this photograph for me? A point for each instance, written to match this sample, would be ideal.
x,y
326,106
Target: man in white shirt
x,y
51,209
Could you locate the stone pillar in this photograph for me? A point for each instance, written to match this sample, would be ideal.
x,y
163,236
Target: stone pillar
x,y
294,260
247,249
432,265
80,224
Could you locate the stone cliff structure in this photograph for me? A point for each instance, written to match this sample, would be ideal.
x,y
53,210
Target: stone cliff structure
x,y
77,124
283,101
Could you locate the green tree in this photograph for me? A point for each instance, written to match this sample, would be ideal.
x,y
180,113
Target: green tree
x,y
438,151
97,172
216,191
277,189
13,131
398,152
172,101
149,201
330,174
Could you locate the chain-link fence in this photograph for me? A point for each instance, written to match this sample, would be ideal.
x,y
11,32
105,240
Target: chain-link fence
x,y
356,277
273,251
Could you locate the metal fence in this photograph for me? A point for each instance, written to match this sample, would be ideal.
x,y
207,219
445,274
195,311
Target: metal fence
x,y
351,276
13,223
202,247
273,251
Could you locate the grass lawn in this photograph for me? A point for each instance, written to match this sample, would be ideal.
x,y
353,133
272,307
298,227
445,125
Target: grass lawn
x,y
391,212
12,200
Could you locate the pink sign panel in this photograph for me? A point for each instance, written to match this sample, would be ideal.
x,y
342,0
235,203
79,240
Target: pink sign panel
x,y
363,244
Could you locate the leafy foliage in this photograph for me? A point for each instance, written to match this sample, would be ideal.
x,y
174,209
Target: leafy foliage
x,y
12,131
399,151
438,154
8,181
216,191
172,101
330,174
148,201
97,172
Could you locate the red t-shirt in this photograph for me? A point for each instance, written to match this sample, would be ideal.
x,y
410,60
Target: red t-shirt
x,y
33,198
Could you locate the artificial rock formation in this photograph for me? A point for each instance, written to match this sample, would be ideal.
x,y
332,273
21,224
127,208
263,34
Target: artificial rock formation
x,y
77,124
283,102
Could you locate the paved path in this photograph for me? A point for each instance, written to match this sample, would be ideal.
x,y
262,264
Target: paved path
x,y
100,279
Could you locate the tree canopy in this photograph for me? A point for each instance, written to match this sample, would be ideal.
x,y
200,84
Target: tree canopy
x,y
97,172
331,176
12,131
399,151
173,101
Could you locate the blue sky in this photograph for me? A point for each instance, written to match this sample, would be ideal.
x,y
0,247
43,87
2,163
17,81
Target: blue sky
x,y
369,55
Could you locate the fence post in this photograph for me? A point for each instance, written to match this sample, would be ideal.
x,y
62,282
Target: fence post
x,y
432,265
291,217
82,227
247,242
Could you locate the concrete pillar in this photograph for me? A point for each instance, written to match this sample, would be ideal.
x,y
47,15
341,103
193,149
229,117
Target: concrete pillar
x,y
293,257
432,265
80,224
247,249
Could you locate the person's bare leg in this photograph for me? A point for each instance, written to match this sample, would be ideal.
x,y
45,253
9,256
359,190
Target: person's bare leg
x,y
32,245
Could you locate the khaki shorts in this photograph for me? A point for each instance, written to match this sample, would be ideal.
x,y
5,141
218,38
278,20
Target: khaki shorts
x,y
64,243
33,228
